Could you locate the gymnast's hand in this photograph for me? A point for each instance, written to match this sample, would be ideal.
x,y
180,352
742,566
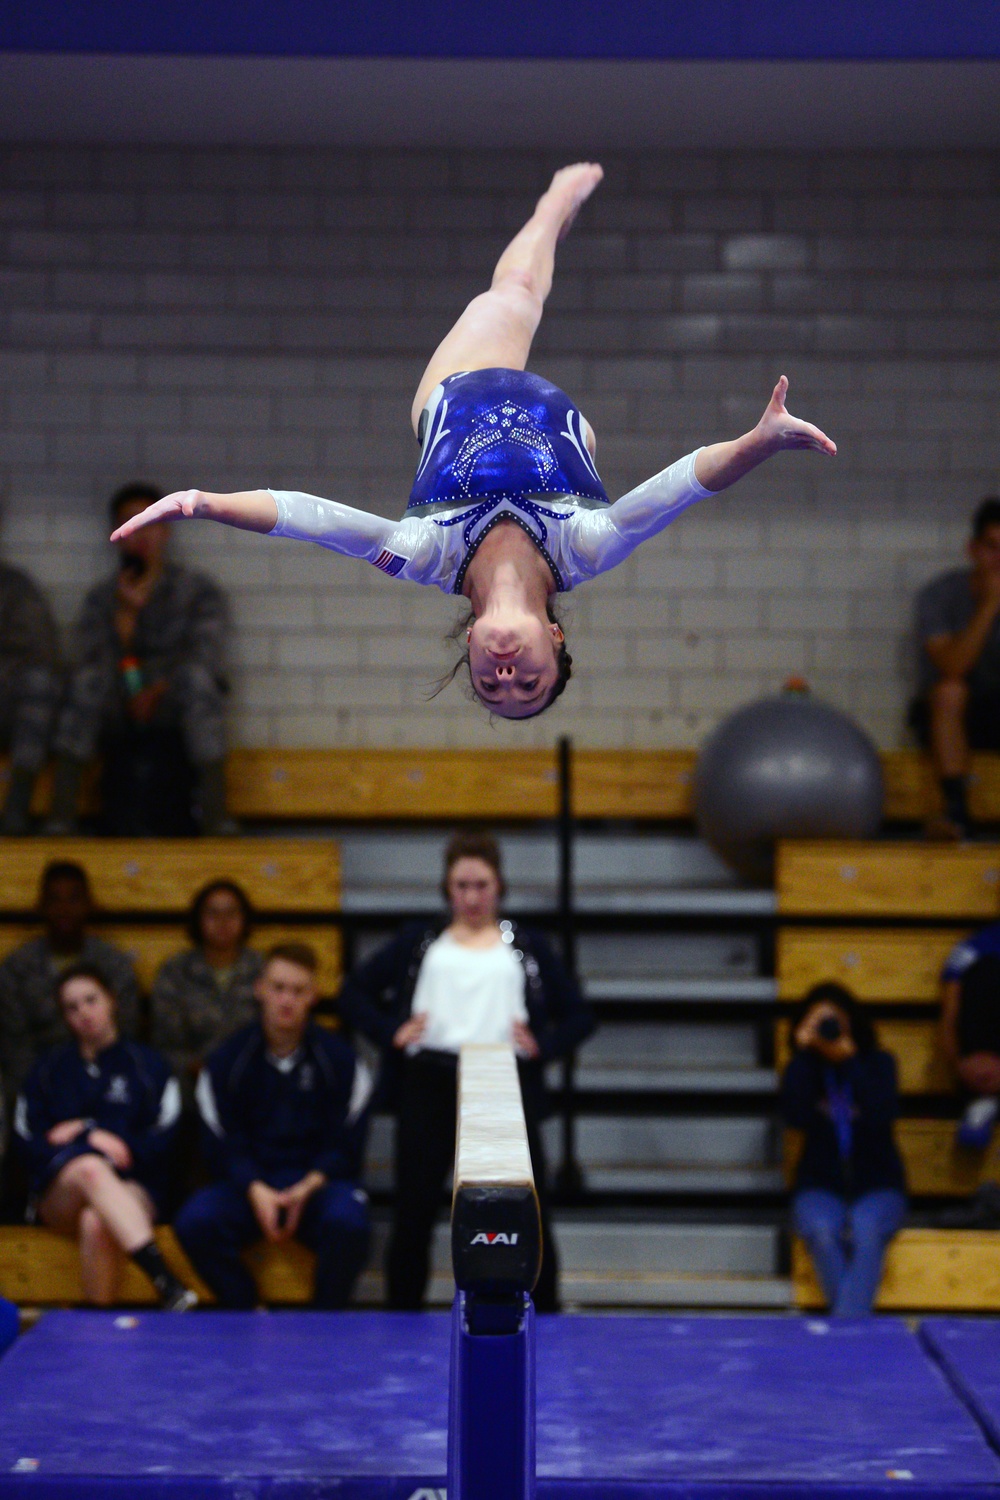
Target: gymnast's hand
x,y
175,507
718,465
65,1131
778,429
249,510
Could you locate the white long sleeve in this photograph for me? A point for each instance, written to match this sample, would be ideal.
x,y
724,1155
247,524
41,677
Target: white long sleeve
x,y
355,533
601,539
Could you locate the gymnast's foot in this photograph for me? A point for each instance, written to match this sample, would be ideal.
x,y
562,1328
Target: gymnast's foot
x,y
568,191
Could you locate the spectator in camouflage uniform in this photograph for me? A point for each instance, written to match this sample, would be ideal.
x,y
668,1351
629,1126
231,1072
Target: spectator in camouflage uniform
x,y
29,689
203,995
30,1018
149,652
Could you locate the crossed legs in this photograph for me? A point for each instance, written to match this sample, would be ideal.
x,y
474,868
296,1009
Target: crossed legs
x,y
496,329
108,1217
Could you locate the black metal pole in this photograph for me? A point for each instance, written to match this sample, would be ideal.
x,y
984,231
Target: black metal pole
x,y
569,1179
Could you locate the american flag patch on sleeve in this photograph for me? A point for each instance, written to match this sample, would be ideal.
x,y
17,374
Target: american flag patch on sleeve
x,y
389,562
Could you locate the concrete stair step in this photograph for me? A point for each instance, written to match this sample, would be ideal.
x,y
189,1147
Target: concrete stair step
x,y
634,1079
696,990
659,955
682,1178
673,1045
628,1264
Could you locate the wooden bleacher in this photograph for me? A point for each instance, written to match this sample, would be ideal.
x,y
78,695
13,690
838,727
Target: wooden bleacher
x,y
267,785
926,1270
860,890
162,875
42,1269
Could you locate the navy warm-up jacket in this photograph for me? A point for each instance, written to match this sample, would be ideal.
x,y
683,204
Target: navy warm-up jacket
x,y
874,1160
128,1090
264,1117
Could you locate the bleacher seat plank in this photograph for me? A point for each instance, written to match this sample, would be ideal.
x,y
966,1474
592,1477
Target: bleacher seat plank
x,y
163,874
926,1270
914,1044
392,784
362,783
935,1165
148,946
884,964
633,783
39,1268
848,878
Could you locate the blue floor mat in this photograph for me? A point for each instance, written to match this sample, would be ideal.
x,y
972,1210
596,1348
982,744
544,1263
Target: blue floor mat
x,y
243,1406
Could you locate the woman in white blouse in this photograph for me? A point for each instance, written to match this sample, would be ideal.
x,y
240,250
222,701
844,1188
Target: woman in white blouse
x,y
507,507
434,988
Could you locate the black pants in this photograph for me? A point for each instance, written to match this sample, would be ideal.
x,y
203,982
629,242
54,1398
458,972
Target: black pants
x,y
979,1007
425,1150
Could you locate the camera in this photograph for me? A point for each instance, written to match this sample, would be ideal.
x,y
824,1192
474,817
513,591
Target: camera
x,y
829,1029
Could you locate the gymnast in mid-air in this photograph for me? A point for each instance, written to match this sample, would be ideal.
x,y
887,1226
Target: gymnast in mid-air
x,y
507,507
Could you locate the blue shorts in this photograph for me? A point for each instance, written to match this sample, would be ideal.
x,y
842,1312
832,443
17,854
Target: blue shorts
x,y
502,433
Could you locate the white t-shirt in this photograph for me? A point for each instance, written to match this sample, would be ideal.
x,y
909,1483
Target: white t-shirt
x,y
469,995
577,540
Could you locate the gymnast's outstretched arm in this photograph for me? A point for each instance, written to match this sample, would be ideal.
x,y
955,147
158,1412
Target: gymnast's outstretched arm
x,y
721,464
603,538
355,533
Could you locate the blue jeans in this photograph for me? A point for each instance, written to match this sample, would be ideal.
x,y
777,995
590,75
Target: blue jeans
x,y
218,1222
847,1241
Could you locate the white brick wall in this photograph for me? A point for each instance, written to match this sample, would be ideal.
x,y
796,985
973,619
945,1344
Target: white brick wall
x,y
231,318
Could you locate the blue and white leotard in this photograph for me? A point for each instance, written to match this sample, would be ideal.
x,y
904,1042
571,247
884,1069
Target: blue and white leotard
x,y
498,445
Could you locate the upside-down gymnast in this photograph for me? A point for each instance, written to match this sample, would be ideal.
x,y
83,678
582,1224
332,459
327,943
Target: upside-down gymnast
x,y
507,507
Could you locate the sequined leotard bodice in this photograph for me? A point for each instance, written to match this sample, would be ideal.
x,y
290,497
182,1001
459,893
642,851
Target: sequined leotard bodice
x,y
498,445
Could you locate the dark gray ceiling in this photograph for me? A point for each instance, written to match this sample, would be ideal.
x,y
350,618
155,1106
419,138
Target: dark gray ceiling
x,y
577,106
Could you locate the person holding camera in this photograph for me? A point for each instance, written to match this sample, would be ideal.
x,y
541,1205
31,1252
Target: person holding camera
x,y
148,691
849,1194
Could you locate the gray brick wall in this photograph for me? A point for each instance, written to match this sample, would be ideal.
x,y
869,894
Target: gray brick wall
x,y
234,318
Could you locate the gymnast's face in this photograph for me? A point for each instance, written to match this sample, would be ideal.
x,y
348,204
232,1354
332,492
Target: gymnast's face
x,y
513,661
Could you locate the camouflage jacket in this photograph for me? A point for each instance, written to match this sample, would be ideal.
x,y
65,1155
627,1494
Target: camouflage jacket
x,y
185,620
30,1019
191,1014
28,634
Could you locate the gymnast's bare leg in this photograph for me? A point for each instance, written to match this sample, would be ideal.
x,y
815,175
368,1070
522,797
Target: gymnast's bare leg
x,y
496,329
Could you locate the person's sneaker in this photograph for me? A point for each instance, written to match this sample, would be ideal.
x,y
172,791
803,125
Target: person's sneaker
x,y
181,1301
975,1130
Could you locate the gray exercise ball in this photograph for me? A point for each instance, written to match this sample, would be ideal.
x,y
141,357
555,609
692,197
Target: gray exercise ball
x,y
785,768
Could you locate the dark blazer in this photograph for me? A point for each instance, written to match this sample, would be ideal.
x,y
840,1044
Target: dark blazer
x,y
874,1160
378,997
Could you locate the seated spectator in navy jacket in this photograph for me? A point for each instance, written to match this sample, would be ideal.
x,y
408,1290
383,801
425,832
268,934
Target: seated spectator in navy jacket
x,y
970,1029
95,1123
469,977
282,1105
850,1192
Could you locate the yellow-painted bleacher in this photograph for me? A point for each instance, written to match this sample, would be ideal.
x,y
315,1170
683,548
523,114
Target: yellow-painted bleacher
x,y
852,887
441,784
